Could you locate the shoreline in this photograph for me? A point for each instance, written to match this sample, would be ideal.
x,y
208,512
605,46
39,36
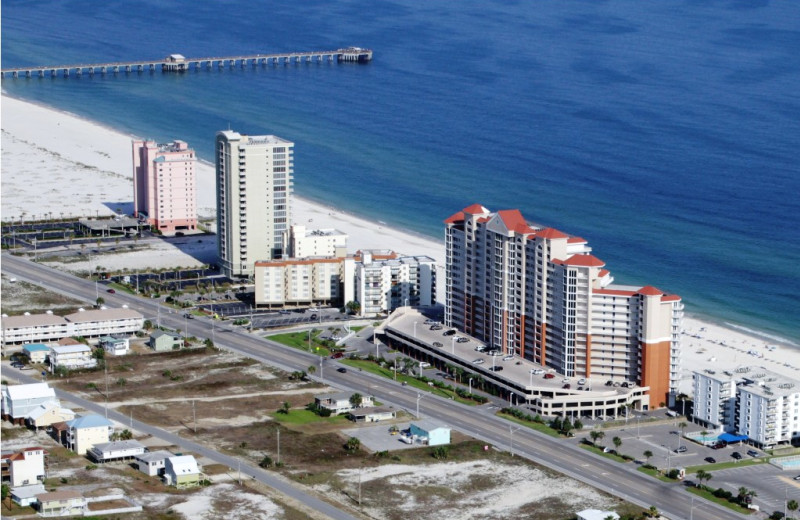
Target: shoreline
x,y
55,161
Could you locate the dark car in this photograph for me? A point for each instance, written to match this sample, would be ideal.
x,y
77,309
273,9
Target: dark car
x,y
752,453
681,449
437,344
342,370
111,291
567,386
736,455
496,368
449,332
337,355
549,376
711,460
313,317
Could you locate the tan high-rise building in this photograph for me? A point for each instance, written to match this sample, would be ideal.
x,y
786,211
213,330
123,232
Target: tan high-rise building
x,y
539,293
254,188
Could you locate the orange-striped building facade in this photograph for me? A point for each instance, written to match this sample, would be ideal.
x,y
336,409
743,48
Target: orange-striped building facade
x,y
540,294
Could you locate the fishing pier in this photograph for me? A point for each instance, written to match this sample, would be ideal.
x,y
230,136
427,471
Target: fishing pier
x,y
179,63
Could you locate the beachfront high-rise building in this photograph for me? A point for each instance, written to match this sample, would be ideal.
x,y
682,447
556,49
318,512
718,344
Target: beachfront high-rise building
x,y
538,293
254,187
164,187
385,281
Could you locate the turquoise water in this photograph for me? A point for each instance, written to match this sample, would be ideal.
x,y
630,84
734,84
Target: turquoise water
x,y
665,133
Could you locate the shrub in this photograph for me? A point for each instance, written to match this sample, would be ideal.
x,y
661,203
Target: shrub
x,y
266,462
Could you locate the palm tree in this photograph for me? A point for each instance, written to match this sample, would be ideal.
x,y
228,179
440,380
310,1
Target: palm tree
x,y
596,435
311,369
703,475
617,442
682,425
647,454
792,505
356,400
353,444
742,494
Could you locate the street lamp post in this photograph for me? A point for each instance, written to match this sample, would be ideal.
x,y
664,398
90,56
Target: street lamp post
x,y
415,330
470,386
511,431
637,426
419,396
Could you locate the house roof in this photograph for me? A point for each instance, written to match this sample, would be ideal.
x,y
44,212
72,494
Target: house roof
x,y
36,347
70,349
455,217
118,445
584,261
154,456
429,425
183,465
30,491
551,233
44,408
338,396
89,421
30,391
162,333
475,209
59,495
30,320
649,290
670,298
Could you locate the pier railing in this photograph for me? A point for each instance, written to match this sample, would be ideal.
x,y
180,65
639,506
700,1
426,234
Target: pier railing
x,y
179,63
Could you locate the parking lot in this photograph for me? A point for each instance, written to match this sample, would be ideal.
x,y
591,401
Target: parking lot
x,y
378,437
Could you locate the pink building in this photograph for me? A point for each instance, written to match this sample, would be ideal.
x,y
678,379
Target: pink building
x,y
164,188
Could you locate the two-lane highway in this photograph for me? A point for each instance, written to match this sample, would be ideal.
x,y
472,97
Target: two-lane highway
x,y
619,479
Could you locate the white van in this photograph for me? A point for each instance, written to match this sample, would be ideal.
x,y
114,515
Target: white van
x,y
672,414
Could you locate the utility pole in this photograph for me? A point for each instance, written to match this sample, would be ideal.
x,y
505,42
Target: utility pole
x,y
278,461
194,416
359,485
105,374
419,396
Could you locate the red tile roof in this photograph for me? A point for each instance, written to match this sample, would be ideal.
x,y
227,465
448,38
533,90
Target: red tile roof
x,y
576,240
483,220
670,298
550,233
584,261
475,209
512,218
603,272
455,217
649,290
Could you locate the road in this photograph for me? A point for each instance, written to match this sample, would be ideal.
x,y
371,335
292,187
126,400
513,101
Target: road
x,y
621,480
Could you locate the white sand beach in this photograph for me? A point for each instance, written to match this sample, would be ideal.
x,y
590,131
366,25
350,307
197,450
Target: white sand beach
x,y
56,164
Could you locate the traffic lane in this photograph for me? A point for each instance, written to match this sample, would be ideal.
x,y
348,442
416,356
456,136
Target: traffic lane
x,y
283,486
405,396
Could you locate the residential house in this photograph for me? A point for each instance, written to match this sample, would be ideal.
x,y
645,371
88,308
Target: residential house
x,y
339,403
61,503
152,463
117,450
71,357
371,414
114,346
596,514
431,432
19,400
47,414
36,352
181,471
87,431
26,466
162,341
26,495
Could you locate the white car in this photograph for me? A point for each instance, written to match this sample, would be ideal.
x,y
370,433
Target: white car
x,y
537,371
479,361
508,358
565,380
424,364
480,348
581,381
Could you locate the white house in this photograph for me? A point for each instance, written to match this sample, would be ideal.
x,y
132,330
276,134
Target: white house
x,y
19,400
26,466
26,495
61,503
114,346
339,403
116,450
87,431
372,414
152,463
71,357
181,471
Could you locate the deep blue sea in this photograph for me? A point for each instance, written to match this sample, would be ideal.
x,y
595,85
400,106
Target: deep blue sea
x,y
666,133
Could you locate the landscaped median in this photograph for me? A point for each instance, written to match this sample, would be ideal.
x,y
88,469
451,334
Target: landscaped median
x,y
433,386
301,341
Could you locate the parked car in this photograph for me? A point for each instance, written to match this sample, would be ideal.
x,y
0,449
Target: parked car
x,y
480,348
753,453
424,364
478,361
797,477
537,371
188,316
337,355
712,460
565,380
436,327
609,383
449,332
462,339
314,317
680,449
736,455
549,376
567,386
495,353
581,381
508,358
111,291
437,344
342,370
496,368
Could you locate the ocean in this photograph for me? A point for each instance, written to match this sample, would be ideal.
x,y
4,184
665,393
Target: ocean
x,y
665,133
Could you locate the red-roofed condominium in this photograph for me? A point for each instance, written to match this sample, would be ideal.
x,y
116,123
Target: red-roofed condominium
x,y
538,293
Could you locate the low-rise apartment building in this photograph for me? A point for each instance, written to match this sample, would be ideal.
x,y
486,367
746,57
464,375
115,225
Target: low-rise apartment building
x,y
71,357
315,243
31,328
85,432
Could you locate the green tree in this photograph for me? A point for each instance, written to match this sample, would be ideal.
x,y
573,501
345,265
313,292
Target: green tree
x,y
6,491
356,400
792,505
441,452
100,301
647,454
266,462
285,408
617,442
353,444
311,369
353,307
596,436
578,424
703,475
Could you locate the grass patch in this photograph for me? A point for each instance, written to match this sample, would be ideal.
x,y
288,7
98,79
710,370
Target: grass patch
x,y
307,417
595,449
388,373
724,465
539,427
708,495
655,474
120,287
299,340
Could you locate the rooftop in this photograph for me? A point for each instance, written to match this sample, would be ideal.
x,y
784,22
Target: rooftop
x,y
154,456
36,347
89,421
429,425
70,349
184,465
30,391
32,320
103,315
118,445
